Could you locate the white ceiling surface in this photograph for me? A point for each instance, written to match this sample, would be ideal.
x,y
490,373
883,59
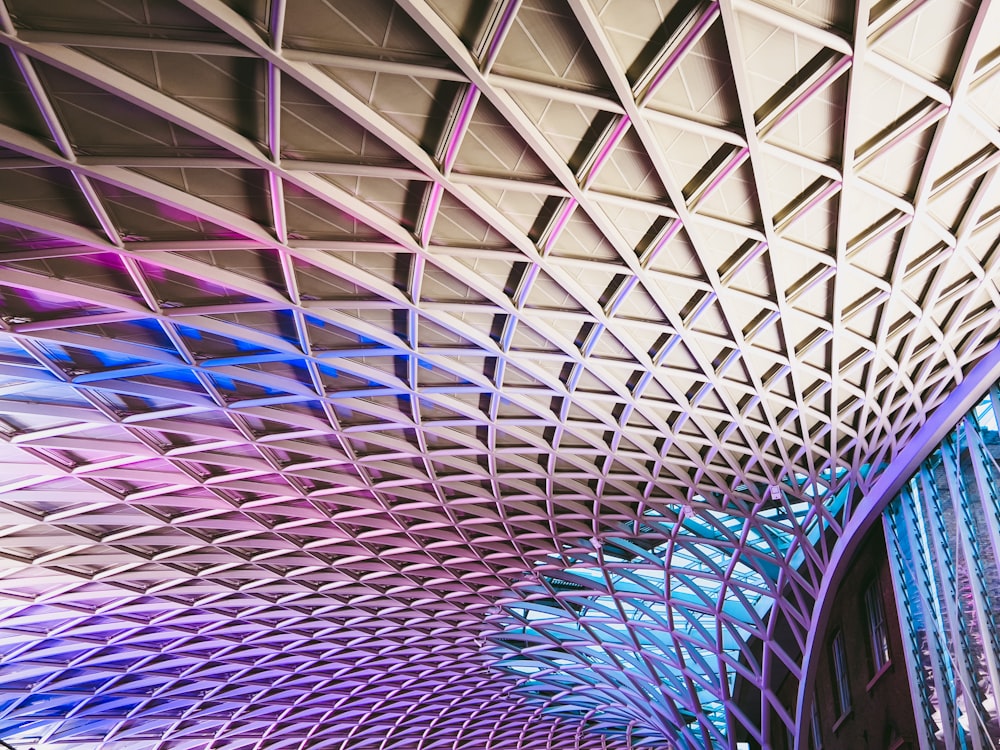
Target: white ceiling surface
x,y
323,322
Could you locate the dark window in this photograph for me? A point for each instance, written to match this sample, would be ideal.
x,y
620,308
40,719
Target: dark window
x,y
841,688
878,633
815,733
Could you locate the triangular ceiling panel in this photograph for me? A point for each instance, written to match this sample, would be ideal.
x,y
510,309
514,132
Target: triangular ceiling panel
x,y
751,272
258,265
545,42
314,218
242,191
898,167
399,198
314,129
767,48
809,120
542,291
701,84
731,194
100,270
31,305
319,282
950,204
457,225
226,88
142,217
17,107
692,156
417,106
436,285
640,226
174,289
48,192
628,171
490,147
362,28
574,235
925,45
637,304
673,252
888,106
102,123
571,129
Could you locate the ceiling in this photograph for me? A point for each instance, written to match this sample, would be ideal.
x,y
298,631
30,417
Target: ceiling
x,y
452,374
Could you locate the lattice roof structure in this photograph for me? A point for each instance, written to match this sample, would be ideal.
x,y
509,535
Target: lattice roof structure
x,y
453,374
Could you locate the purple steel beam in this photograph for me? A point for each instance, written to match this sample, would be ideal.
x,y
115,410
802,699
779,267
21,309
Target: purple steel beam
x,y
869,510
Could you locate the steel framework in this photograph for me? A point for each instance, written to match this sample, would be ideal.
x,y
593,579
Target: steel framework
x,y
436,374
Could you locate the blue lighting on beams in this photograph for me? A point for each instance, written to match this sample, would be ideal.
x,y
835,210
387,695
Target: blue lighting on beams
x,y
656,613
115,359
188,332
179,375
223,382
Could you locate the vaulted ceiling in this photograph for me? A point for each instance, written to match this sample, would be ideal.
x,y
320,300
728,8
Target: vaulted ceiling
x,y
453,374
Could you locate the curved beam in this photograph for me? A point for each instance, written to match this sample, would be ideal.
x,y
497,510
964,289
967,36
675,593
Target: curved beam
x,y
869,510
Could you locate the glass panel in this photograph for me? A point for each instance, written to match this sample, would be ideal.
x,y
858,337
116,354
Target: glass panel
x,y
842,690
814,727
943,532
878,634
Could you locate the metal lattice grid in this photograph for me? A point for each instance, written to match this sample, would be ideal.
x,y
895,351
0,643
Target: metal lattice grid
x,y
326,323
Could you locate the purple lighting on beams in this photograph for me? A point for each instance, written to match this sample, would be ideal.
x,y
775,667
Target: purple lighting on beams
x,y
614,138
700,27
501,28
430,212
669,232
461,125
824,80
734,163
567,211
